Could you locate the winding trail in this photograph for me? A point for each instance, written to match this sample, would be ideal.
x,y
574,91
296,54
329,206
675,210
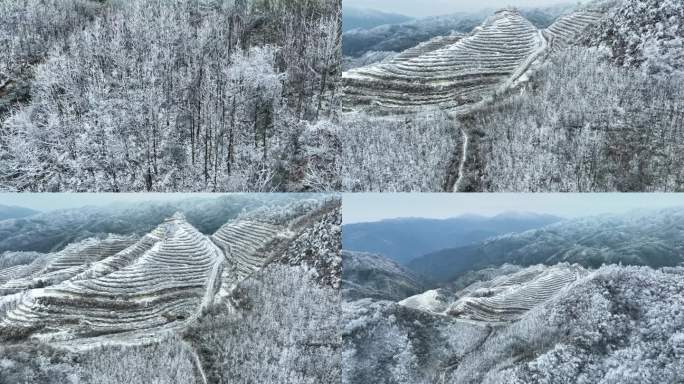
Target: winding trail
x,y
198,362
534,58
464,156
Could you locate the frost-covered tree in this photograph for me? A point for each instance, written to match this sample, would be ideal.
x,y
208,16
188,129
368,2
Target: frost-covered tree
x,y
583,125
397,154
284,329
178,95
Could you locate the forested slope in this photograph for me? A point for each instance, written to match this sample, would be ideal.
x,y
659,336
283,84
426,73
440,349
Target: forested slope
x,y
178,95
612,325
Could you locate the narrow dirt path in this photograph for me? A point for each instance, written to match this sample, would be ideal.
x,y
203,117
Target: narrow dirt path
x,y
461,168
456,171
197,362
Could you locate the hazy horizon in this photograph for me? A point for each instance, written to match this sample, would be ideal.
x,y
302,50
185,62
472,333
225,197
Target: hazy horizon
x,y
363,208
442,7
47,202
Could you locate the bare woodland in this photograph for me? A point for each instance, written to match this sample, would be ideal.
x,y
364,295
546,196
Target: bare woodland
x,y
182,95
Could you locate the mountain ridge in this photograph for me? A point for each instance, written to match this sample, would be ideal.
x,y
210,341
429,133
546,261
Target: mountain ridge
x,y
403,239
8,212
652,238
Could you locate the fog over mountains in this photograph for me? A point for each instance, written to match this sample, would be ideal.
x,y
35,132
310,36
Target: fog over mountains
x,y
358,18
12,212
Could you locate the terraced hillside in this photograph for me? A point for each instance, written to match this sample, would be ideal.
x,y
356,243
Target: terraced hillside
x,y
501,299
248,245
456,72
244,243
53,268
615,324
123,289
161,279
569,28
508,297
449,72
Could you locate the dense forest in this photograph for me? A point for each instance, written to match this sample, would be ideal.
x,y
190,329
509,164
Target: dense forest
x,y
582,125
182,95
396,154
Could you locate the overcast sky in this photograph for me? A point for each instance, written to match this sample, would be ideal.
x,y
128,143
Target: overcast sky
x,y
422,8
373,207
51,201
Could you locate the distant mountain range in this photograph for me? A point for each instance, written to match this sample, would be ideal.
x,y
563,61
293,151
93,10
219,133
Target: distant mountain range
x,y
13,212
403,240
354,18
654,239
52,231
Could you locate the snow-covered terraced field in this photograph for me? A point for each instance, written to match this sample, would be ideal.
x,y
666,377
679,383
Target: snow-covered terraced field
x,y
568,28
146,286
127,290
56,267
448,71
508,297
456,72
243,243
